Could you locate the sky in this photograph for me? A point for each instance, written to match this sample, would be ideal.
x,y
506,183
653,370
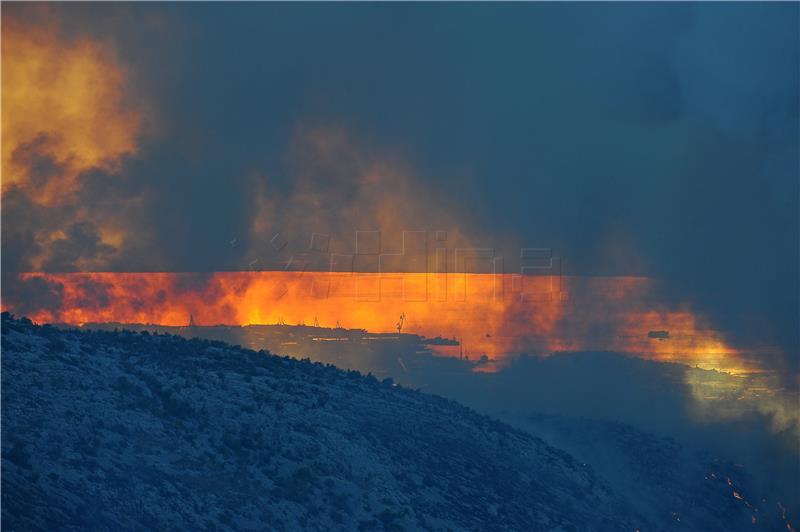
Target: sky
x,y
633,140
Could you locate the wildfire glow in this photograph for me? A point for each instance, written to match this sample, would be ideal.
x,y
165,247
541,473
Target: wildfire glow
x,y
497,315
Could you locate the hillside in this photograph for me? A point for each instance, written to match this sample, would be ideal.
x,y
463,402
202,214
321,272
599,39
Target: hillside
x,y
119,430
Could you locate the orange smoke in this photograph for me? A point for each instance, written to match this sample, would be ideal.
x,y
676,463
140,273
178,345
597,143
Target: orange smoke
x,y
342,183
498,315
63,100
688,333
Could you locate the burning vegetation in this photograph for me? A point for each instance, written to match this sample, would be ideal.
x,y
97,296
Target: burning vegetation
x,y
492,315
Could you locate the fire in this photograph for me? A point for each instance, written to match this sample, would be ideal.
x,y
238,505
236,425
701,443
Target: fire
x,y
497,315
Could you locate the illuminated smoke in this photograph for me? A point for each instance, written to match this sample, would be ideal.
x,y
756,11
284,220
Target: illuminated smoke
x,y
66,114
63,106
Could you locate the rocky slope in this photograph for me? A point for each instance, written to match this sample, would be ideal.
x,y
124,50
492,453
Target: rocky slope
x,y
118,430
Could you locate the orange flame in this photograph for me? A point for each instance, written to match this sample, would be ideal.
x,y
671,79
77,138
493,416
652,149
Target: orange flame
x,y
496,315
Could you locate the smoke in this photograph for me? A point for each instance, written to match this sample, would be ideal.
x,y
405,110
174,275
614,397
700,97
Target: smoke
x,y
634,140
340,185
32,296
68,127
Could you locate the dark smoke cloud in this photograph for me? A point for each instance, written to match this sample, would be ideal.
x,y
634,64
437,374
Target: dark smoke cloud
x,y
32,295
634,139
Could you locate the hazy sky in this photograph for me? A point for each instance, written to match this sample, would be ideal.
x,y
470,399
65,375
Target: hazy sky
x,y
633,139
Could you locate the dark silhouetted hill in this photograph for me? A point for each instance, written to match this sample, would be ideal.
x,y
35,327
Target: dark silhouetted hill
x,y
124,431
